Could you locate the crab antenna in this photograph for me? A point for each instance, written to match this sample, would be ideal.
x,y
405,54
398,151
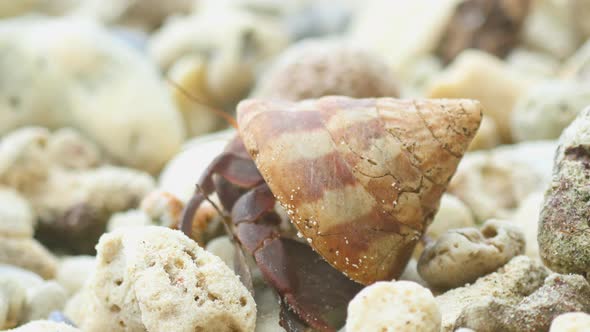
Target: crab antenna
x,y
228,118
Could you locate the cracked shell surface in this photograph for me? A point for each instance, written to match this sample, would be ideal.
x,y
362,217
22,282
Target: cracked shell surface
x,y
157,279
360,178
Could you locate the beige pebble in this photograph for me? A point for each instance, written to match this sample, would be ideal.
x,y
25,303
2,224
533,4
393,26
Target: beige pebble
x,y
578,65
411,273
382,26
549,29
68,148
128,218
42,300
487,136
417,75
232,55
28,254
462,255
77,308
393,306
126,113
163,207
533,63
223,248
12,302
452,213
16,216
184,170
25,278
511,283
45,326
493,184
73,271
155,278
571,322
314,68
527,218
268,309
198,108
481,76
145,15
23,161
74,206
548,108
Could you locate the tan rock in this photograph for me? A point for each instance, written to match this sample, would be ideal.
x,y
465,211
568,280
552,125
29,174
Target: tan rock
x,y
462,255
28,254
480,76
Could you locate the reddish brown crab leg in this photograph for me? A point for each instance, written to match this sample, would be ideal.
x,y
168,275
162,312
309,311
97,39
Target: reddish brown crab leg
x,y
233,167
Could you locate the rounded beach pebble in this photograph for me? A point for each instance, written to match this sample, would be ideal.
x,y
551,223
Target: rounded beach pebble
x,y
571,322
316,68
393,306
45,326
462,255
157,279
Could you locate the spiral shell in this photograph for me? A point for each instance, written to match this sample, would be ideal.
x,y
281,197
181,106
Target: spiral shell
x,y
360,178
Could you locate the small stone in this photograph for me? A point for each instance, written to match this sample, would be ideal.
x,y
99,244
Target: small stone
x,y
16,216
73,272
548,108
571,322
315,67
481,76
45,326
42,300
463,255
28,254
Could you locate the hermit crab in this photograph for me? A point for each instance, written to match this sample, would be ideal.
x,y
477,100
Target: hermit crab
x,y
360,179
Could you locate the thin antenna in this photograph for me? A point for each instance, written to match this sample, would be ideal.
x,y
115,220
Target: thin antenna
x,y
228,118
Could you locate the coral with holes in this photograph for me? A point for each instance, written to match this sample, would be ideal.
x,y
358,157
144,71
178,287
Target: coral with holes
x,y
156,279
564,230
401,306
462,255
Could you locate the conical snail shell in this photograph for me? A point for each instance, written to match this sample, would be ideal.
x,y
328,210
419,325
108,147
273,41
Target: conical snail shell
x,y
360,178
